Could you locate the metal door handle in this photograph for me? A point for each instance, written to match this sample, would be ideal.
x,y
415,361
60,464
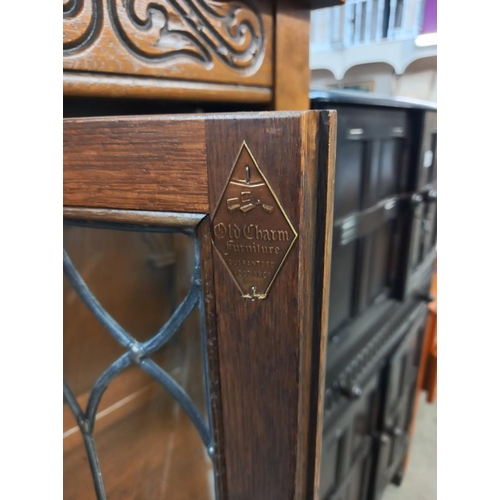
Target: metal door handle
x,y
384,439
416,199
395,432
352,391
431,195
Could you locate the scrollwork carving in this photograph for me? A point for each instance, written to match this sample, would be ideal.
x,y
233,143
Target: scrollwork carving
x,y
242,35
82,21
156,31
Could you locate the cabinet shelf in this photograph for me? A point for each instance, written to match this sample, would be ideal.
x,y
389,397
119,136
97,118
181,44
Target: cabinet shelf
x,y
152,452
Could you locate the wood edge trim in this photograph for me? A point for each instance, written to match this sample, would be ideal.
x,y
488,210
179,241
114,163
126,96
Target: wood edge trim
x,y
212,352
308,243
327,138
147,218
81,84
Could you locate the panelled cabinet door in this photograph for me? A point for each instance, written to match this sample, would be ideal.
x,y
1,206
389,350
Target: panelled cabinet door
x,y
368,249
423,209
196,304
347,457
399,396
427,165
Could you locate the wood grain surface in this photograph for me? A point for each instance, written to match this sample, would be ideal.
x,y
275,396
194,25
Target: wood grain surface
x,y
266,356
327,149
136,217
291,72
81,84
222,42
210,317
142,163
265,346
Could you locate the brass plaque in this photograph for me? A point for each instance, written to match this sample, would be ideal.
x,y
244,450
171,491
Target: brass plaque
x,y
250,229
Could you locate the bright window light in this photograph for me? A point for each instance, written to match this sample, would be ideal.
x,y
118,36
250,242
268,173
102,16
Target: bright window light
x,y
426,40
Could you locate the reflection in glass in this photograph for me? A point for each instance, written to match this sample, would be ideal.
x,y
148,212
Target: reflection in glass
x,y
147,445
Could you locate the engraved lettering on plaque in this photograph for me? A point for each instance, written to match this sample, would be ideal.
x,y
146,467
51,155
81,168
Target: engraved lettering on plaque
x,y
250,229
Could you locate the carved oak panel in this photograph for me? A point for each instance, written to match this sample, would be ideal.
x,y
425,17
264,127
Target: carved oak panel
x,y
196,40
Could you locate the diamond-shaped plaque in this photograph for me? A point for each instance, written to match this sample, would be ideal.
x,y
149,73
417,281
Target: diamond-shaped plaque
x,y
250,229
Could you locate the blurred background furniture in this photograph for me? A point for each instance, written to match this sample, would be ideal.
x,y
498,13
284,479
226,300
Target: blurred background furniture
x,y
384,247
430,359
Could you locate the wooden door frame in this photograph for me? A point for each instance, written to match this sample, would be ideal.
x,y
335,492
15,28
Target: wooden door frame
x,y
267,357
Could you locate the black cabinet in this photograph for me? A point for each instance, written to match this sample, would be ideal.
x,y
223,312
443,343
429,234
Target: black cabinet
x,y
370,180
398,386
423,208
383,251
346,457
